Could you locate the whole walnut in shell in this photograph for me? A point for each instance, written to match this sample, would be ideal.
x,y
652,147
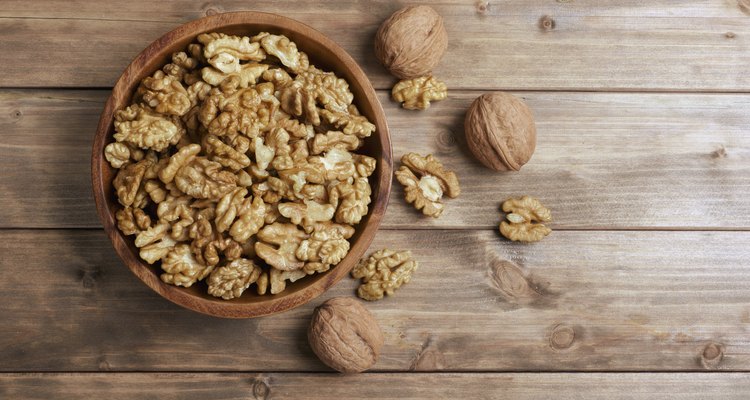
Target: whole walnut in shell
x,y
344,335
411,42
500,131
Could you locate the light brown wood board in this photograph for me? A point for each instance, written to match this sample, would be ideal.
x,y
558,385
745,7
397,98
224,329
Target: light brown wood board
x,y
644,158
664,45
580,301
603,161
266,386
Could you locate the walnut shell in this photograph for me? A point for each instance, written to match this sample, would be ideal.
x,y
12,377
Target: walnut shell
x,y
500,131
411,42
344,335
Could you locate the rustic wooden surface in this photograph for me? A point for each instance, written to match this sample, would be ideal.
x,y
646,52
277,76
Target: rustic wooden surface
x,y
643,157
241,386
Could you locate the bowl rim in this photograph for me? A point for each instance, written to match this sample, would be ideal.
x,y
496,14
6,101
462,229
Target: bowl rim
x,y
271,304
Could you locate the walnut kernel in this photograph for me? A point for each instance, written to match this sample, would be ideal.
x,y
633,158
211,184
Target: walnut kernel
x,y
416,94
229,281
383,272
425,180
524,220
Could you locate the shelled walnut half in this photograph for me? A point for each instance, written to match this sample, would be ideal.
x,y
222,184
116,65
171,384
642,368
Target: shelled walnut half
x,y
425,180
416,94
383,272
524,220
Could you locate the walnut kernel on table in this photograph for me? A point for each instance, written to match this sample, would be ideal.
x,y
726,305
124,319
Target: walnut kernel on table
x,y
237,164
383,272
344,335
425,180
524,220
416,94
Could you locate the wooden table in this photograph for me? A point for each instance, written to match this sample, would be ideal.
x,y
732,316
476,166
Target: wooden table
x,y
642,290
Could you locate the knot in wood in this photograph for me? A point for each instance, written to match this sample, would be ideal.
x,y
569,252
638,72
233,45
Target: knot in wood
x,y
211,9
103,364
546,23
261,389
744,5
721,152
562,337
445,141
510,280
89,277
712,355
482,6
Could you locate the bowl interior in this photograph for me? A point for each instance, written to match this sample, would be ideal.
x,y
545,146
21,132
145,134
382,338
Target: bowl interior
x,y
324,54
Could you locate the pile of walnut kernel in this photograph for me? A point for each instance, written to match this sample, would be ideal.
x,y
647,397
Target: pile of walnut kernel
x,y
236,165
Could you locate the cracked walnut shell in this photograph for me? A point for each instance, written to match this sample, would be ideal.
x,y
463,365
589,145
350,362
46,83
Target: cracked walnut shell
x,y
344,335
500,131
411,42
524,220
383,272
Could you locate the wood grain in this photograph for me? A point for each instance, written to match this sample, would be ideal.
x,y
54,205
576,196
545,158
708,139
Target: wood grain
x,y
579,301
189,386
646,270
603,160
695,45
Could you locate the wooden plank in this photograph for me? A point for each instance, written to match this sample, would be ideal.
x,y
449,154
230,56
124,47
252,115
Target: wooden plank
x,y
695,45
579,301
526,386
604,160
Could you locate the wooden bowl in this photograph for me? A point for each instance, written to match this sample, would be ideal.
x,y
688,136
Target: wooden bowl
x,y
323,53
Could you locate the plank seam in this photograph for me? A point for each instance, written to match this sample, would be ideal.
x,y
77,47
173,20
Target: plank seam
x,y
706,91
442,228
385,372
